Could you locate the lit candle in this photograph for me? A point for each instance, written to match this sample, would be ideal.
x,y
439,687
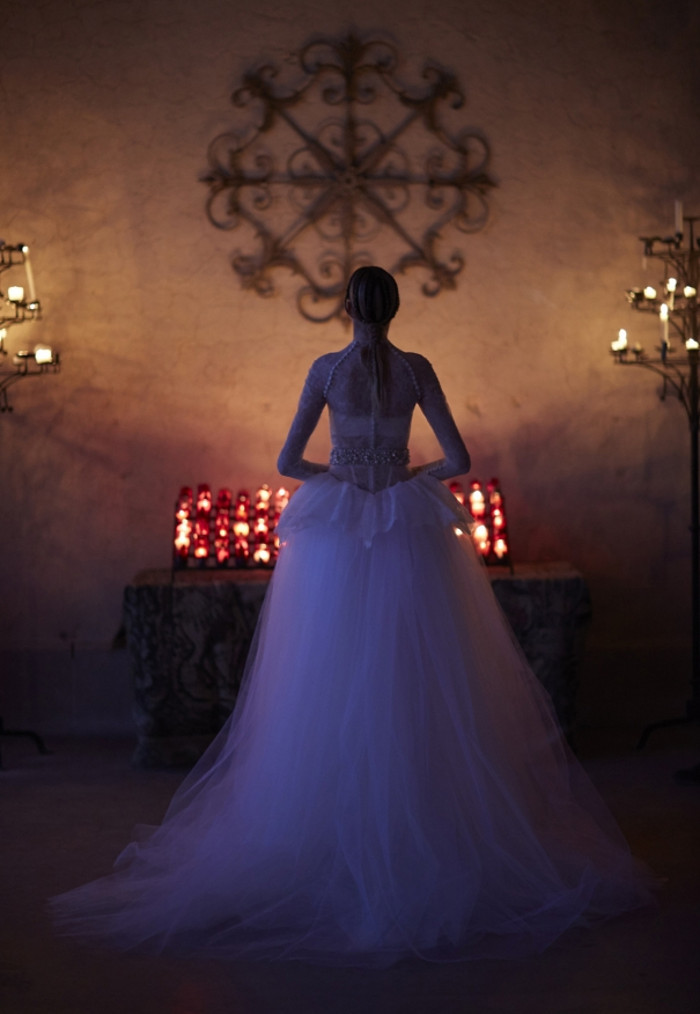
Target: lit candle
x,y
183,507
620,345
678,209
30,274
650,292
481,538
281,500
43,354
663,314
691,344
15,293
477,501
183,533
261,555
671,286
500,548
689,292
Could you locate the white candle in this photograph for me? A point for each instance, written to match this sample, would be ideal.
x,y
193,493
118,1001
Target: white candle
x,y
691,343
30,274
650,292
678,209
671,286
15,293
622,339
663,313
689,291
43,354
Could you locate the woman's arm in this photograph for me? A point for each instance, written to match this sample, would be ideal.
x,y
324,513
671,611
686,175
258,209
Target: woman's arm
x,y
434,406
291,461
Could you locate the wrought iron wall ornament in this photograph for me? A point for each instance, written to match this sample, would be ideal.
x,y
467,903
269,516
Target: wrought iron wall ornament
x,y
313,191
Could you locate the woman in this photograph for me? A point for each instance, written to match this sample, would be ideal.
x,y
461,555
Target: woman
x,y
392,781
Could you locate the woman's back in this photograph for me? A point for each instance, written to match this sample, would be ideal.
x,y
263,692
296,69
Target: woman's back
x,y
372,389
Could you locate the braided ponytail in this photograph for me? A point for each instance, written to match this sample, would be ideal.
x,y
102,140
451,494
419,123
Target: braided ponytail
x,y
374,300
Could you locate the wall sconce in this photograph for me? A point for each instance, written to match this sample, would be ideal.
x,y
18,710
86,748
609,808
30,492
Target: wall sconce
x,y
17,306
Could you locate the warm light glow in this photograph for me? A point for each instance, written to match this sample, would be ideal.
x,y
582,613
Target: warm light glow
x,y
43,354
262,554
224,532
281,500
495,498
481,537
242,505
692,344
222,527
500,548
477,501
204,500
671,284
650,292
183,534
620,344
183,507
663,312
15,293
241,550
689,291
201,538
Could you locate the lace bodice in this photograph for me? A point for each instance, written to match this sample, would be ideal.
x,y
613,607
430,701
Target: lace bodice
x,y
370,437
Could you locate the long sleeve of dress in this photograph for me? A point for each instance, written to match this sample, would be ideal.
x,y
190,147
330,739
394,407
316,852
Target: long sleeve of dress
x,y
434,406
291,461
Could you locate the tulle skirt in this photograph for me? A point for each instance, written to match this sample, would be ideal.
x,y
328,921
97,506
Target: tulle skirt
x,y
392,781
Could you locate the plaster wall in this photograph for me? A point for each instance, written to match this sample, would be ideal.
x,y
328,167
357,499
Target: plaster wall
x,y
174,374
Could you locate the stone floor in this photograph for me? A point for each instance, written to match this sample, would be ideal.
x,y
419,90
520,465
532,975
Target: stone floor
x,y
65,816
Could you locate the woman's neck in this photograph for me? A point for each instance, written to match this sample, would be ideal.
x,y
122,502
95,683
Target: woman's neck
x,y
369,334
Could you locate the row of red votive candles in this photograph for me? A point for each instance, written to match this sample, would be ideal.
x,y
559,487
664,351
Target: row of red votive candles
x,y
242,532
487,507
227,532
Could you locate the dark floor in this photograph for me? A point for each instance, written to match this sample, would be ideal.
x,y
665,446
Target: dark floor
x,y
66,816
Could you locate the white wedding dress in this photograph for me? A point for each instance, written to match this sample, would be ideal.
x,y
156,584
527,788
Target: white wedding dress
x,y
392,782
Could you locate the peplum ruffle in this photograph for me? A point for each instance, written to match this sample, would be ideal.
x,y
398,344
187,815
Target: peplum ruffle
x,y
324,501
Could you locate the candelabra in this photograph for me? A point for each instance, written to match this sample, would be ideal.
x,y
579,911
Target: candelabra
x,y
676,305
16,309
18,306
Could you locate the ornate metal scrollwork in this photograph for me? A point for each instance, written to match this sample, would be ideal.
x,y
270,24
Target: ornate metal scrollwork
x,y
336,182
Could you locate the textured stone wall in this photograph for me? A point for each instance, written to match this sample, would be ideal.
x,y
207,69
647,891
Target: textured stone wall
x,y
173,373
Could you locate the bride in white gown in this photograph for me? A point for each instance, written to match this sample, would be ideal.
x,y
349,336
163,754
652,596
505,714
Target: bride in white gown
x,y
392,781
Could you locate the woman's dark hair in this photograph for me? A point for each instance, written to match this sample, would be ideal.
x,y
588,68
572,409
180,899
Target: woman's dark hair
x,y
373,295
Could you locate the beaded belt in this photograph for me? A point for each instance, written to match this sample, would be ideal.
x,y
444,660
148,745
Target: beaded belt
x,y
369,456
